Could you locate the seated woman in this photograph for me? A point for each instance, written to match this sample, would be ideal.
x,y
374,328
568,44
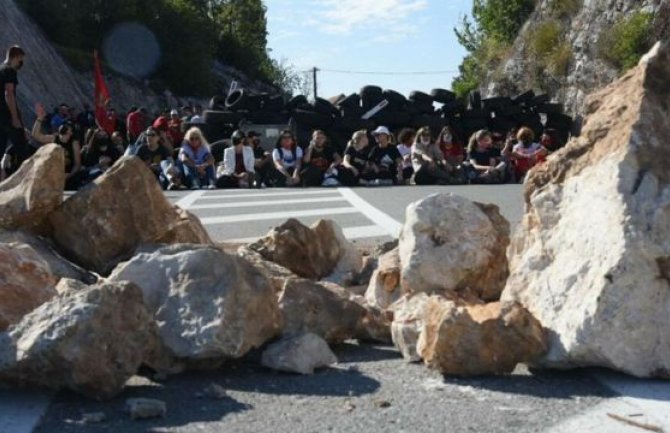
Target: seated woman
x,y
526,153
385,160
159,160
287,157
99,154
482,166
238,169
405,142
65,139
454,154
355,166
430,167
197,160
320,160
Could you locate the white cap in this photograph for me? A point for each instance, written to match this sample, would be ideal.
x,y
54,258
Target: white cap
x,y
381,130
197,120
174,112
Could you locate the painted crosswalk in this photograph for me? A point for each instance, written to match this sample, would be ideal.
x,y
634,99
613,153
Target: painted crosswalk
x,y
243,216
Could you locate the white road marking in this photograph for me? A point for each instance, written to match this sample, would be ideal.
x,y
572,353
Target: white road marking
x,y
266,203
648,401
266,194
386,222
21,411
351,233
187,201
278,215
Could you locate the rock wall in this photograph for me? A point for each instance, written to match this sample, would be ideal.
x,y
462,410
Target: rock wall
x,y
587,71
48,78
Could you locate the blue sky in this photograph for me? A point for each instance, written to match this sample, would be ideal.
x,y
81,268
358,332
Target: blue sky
x,y
369,35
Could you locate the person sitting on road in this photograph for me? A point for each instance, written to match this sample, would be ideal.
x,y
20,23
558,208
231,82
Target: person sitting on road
x,y
452,150
482,166
263,164
405,142
65,139
526,153
501,150
549,141
355,166
237,170
321,161
287,158
159,159
197,160
430,167
99,154
385,160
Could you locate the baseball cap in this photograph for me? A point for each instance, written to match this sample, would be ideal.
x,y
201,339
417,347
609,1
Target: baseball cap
x,y
381,130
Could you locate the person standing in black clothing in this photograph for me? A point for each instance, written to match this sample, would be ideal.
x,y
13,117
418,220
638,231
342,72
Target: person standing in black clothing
x,y
11,124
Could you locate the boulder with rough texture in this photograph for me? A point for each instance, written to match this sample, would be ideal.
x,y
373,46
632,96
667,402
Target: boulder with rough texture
x,y
592,258
90,341
300,354
466,340
276,274
207,304
311,252
33,191
324,309
58,265
408,314
375,325
451,243
384,288
26,282
107,220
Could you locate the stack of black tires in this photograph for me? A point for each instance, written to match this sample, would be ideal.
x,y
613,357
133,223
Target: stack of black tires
x,y
341,117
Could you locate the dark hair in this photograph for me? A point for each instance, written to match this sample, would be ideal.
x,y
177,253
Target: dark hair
x,y
283,133
65,128
406,135
14,52
476,137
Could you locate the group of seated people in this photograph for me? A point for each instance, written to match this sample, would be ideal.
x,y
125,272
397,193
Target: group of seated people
x,y
369,159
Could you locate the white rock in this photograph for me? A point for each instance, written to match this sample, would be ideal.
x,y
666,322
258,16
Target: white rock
x,y
300,354
407,325
592,258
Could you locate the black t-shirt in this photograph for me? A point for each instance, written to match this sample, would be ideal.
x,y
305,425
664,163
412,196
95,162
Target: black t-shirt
x,y
259,152
482,158
91,158
7,75
153,156
322,158
385,157
68,147
358,158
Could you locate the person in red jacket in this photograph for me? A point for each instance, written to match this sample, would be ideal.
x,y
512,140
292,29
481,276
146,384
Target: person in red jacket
x,y
135,123
174,128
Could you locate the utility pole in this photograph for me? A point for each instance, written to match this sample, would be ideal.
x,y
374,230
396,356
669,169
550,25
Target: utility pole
x,y
316,87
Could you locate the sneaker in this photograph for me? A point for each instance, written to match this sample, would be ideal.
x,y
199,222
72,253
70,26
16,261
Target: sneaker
x,y
172,187
330,182
211,186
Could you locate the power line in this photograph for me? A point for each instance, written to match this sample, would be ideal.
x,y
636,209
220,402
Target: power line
x,y
340,71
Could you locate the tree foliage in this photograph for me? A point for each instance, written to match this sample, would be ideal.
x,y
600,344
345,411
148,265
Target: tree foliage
x,y
493,26
193,35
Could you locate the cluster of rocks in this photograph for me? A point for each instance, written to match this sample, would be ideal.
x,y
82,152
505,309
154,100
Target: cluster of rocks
x,y
115,278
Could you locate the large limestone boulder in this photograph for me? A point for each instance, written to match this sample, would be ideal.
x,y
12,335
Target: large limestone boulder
x,y
451,243
57,264
466,340
300,354
313,252
26,282
276,274
33,191
324,309
207,304
592,258
384,287
106,221
91,341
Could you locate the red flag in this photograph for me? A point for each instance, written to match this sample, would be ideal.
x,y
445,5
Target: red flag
x,y
102,98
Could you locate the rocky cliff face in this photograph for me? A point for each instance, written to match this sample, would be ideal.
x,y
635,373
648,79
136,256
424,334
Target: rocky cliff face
x,y
582,28
47,77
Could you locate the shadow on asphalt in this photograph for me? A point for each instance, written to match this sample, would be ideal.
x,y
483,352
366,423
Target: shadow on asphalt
x,y
549,384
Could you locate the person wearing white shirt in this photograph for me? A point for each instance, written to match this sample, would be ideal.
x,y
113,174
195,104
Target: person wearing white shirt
x,y
287,158
237,169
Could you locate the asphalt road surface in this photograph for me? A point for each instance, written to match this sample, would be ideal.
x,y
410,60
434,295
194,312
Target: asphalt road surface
x,y
371,389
